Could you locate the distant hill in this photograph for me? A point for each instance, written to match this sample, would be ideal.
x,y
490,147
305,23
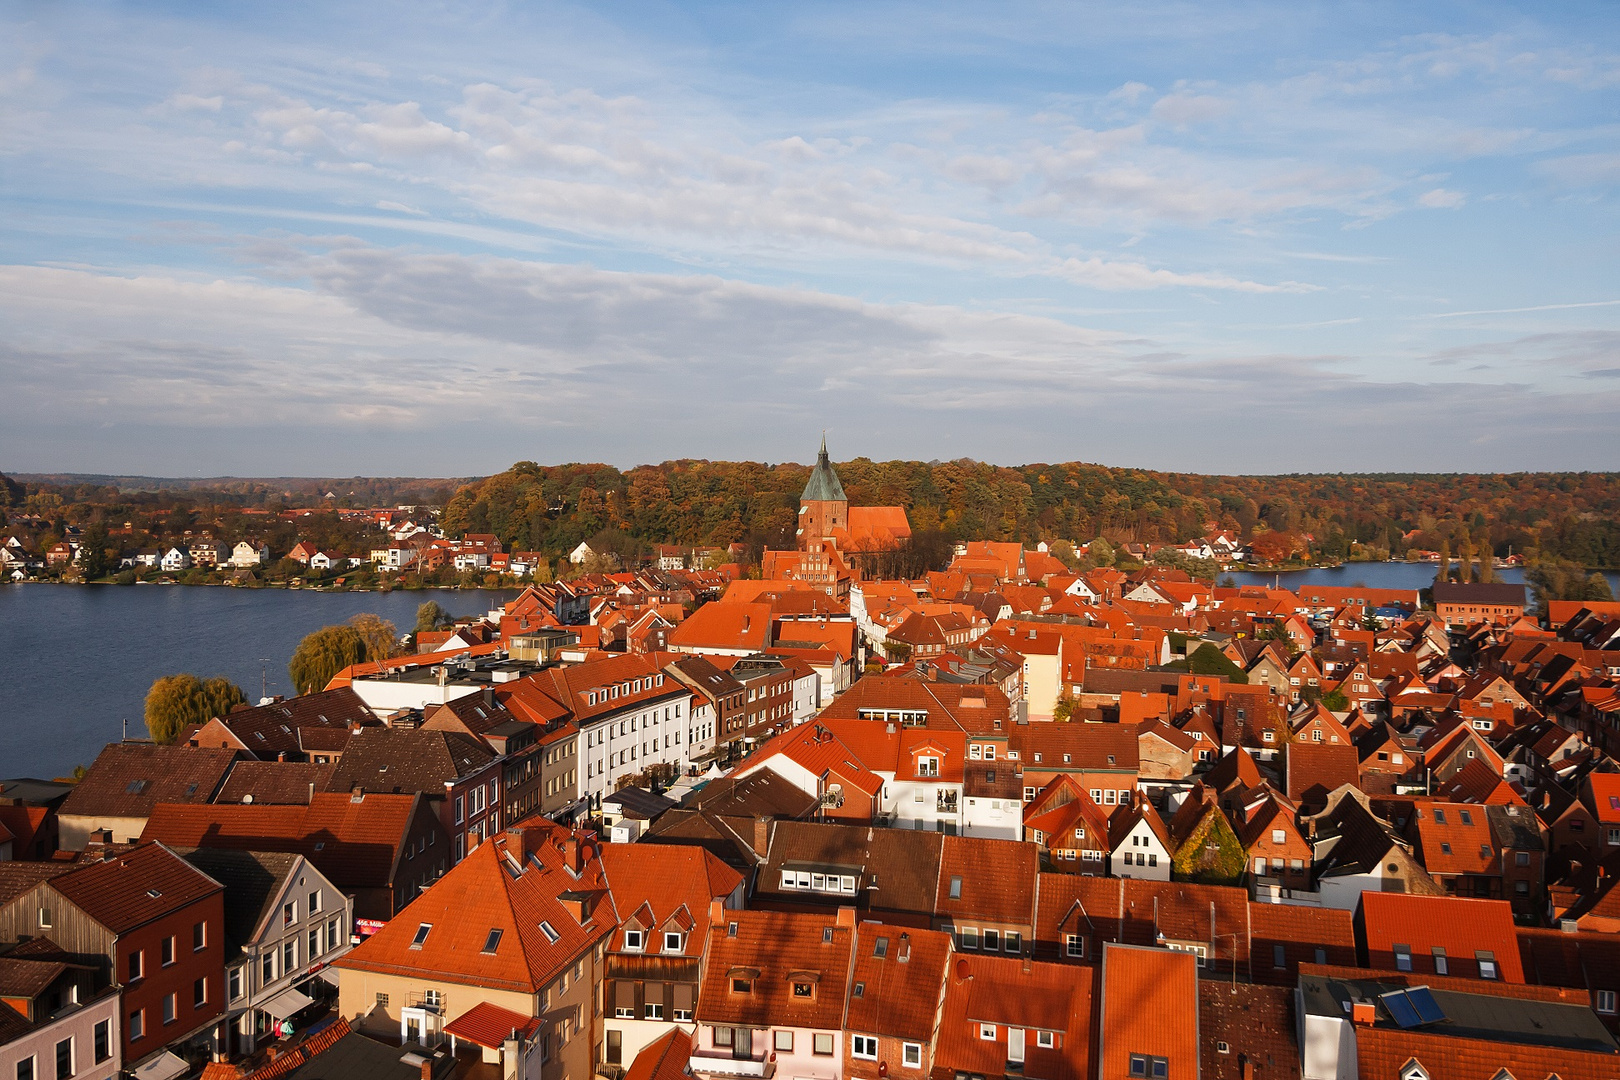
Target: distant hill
x,y
365,490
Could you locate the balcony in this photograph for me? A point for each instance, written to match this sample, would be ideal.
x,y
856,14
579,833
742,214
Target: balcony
x,y
703,1064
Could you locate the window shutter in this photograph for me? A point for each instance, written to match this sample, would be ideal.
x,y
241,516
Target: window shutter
x,y
624,994
655,993
684,995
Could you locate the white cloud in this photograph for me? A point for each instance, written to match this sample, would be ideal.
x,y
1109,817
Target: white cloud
x,y
1441,199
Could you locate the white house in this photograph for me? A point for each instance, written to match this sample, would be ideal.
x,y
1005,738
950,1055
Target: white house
x,y
176,559
1139,843
580,554
246,555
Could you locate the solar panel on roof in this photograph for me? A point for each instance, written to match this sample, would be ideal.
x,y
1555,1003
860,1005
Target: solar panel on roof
x,y
1401,1009
1428,1009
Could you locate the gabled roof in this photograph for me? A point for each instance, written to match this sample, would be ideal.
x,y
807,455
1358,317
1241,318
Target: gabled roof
x,y
128,779
1003,991
1316,769
1141,987
898,977
405,760
1461,926
771,951
252,879
664,1058
902,864
668,880
268,730
274,782
724,626
518,883
129,890
997,880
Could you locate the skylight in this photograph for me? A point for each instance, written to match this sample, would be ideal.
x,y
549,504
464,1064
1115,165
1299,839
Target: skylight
x,y
550,932
493,941
421,935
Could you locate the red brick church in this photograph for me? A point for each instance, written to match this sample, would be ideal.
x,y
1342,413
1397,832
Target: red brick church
x,y
836,541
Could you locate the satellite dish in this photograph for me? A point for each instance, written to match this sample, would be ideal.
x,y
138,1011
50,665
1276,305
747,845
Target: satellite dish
x,y
963,968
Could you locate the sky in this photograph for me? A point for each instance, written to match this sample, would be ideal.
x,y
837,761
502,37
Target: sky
x,y
340,239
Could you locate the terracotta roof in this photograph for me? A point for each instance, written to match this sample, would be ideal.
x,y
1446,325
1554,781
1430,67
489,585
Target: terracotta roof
x,y
128,779
132,889
1091,747
487,1024
1240,1025
667,881
1455,838
1315,769
898,977
724,626
274,782
664,1058
997,880
773,953
1462,927
517,883
1304,933
1141,987
1384,1052
1007,992
295,1058
355,844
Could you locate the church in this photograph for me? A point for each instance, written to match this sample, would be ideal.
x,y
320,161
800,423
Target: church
x,y
836,542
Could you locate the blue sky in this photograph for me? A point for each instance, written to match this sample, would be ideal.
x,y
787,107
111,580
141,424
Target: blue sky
x,y
432,240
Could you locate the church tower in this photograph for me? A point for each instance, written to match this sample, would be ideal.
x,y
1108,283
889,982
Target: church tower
x,y
823,507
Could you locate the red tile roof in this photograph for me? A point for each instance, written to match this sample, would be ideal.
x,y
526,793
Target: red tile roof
x,y
488,1024
142,884
724,626
515,883
899,990
772,952
664,1058
1003,991
997,880
1462,927
1384,1052
1142,988
668,879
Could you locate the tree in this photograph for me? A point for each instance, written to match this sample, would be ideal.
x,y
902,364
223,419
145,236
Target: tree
x,y
430,616
1565,581
1443,575
1101,552
1063,710
1208,660
94,561
1063,552
327,651
175,702
1335,701
1465,562
1212,854
1487,561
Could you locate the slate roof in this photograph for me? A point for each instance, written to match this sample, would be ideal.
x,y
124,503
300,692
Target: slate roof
x,y
128,779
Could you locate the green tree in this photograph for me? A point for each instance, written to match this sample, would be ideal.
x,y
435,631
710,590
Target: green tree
x,y
1101,552
1443,575
177,701
1335,701
94,561
1565,581
1208,660
1487,556
325,652
430,616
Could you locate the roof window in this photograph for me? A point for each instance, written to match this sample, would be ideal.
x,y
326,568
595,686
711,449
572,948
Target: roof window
x,y
422,931
956,887
137,787
550,932
493,941
881,948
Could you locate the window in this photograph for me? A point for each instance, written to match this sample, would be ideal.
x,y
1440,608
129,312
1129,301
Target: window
x,y
969,937
1012,941
137,1024
1439,955
987,1032
289,955
722,1036
1279,958
25,1068
64,1059
289,913
103,1041
170,1008
911,1055
822,1044
634,940
235,983
1045,1040
136,964
1487,963
782,1041
742,986
1467,818
332,934
804,990
992,940
199,993
1153,1068
1074,946
864,1046
1521,858
672,942
1403,958
1278,836
956,887
44,918
493,941
168,950
422,931
1605,1002
382,1000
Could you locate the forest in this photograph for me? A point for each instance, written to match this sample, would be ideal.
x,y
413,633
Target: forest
x,y
1564,516
1569,517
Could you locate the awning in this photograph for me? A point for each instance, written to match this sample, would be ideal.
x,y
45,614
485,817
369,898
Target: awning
x,y
286,1003
328,976
165,1066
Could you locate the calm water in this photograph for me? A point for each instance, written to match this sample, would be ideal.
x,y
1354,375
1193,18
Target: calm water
x,y
1383,575
76,661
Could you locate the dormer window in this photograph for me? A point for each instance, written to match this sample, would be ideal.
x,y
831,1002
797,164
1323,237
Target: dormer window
x,y
634,940
804,990
673,942
742,985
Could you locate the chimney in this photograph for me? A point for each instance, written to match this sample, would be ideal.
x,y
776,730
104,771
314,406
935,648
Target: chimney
x,y
846,917
717,913
427,1069
100,837
762,836
1245,1067
570,853
1362,1013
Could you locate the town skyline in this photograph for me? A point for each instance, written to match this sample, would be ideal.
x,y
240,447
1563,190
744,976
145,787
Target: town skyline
x,y
310,244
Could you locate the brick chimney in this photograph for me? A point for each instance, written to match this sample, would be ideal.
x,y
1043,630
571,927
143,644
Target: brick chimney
x,y
846,917
717,913
427,1069
100,837
762,836
570,853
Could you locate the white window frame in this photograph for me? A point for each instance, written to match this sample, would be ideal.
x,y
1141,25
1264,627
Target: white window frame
x,y
864,1047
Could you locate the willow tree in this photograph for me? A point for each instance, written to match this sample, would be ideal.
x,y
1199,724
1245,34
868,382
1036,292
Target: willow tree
x,y
327,651
175,702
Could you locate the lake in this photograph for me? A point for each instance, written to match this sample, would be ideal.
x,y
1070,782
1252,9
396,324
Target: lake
x,y
1378,575
76,660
